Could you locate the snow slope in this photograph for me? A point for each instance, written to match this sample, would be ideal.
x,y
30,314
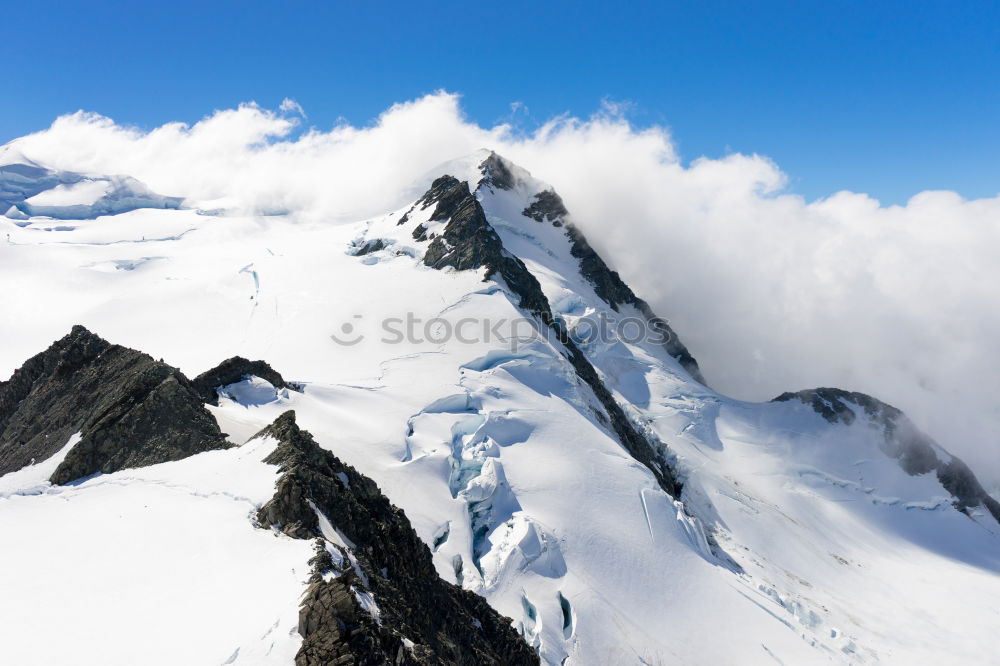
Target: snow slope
x,y
158,565
796,541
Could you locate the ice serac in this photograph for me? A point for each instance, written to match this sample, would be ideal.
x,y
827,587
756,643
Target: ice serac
x,y
130,410
902,440
234,370
374,596
468,242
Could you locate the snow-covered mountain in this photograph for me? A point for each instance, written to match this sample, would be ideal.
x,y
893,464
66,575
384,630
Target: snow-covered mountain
x,y
569,487
28,190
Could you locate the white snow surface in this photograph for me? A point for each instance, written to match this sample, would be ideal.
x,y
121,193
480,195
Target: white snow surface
x,y
159,565
498,456
83,193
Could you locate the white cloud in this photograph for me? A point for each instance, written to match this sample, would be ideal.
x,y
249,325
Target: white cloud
x,y
770,292
289,105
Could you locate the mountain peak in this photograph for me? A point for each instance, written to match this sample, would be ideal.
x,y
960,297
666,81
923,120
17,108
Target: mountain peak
x,y
514,225
497,173
116,399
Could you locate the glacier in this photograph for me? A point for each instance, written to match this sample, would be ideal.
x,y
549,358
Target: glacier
x,y
595,491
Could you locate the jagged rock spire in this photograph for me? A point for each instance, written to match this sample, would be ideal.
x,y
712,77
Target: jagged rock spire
x,y
129,409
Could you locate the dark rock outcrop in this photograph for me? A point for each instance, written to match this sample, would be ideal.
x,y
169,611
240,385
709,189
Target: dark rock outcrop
x,y
422,619
916,452
369,246
469,242
233,370
130,410
547,206
497,174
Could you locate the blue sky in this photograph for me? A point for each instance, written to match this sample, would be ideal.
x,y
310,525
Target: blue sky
x,y
888,98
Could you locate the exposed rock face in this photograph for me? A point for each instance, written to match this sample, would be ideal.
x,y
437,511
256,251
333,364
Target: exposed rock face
x,y
233,370
916,452
131,411
370,246
497,175
420,618
469,242
547,207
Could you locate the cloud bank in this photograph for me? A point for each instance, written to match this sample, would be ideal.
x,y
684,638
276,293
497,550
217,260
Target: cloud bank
x,y
769,291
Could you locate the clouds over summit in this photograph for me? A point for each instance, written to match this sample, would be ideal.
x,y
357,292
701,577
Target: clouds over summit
x,y
770,292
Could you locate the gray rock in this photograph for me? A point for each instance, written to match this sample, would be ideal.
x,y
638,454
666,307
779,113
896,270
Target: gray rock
x,y
547,206
609,286
370,246
497,175
131,411
233,370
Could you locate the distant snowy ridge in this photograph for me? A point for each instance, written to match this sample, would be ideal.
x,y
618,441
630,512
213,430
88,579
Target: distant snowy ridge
x,y
28,190
916,452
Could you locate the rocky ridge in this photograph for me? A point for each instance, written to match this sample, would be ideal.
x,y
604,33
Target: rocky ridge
x,y
375,596
130,410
